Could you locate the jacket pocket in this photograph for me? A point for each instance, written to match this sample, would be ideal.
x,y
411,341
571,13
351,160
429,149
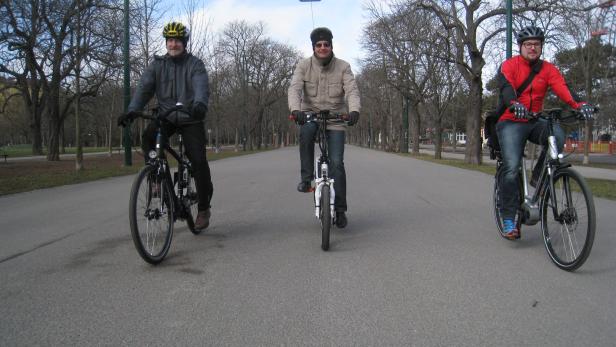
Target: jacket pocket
x,y
310,88
334,90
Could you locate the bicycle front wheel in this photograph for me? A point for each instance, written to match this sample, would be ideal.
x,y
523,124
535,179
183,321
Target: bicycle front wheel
x,y
325,217
568,220
151,214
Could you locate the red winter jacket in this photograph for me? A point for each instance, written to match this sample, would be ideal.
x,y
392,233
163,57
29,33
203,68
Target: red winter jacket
x,y
513,73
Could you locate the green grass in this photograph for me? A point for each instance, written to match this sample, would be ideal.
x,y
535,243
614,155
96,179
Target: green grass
x,y
26,182
26,150
600,188
27,175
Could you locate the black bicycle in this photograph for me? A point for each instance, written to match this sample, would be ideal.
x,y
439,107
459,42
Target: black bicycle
x,y
158,198
562,201
324,193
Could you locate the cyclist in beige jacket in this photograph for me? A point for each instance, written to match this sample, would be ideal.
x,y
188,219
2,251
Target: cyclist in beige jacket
x,y
324,82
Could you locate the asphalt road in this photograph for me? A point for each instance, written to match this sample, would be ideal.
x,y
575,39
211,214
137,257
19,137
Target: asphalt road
x,y
420,264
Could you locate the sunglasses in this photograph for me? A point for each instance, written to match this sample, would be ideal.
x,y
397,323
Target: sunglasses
x,y
323,44
532,44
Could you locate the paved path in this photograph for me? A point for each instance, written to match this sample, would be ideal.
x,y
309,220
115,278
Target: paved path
x,y
420,264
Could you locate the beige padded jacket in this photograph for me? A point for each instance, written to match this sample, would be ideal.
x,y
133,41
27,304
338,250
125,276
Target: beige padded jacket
x,y
315,88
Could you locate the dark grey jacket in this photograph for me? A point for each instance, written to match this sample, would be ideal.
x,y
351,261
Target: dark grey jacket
x,y
180,79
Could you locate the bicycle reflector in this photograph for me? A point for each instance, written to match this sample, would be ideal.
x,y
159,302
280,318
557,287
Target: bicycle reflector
x,y
152,154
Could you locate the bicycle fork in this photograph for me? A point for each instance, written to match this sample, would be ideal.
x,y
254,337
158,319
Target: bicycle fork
x,y
320,181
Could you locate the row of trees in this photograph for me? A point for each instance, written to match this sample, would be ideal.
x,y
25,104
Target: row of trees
x,y
60,70
428,59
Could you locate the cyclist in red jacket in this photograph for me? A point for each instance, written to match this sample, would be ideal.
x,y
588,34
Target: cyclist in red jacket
x,y
513,127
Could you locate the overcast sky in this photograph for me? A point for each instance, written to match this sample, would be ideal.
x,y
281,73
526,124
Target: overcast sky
x,y
291,21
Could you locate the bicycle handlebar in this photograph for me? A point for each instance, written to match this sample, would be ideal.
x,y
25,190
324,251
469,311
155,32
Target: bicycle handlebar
x,y
163,116
323,115
557,113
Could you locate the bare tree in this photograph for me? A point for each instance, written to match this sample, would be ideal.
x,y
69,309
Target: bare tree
x,y
39,35
21,33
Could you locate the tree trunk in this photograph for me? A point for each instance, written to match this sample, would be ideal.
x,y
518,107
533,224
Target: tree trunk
x,y
415,125
438,137
473,123
35,132
55,125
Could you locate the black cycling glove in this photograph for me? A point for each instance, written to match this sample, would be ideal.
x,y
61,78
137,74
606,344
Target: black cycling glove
x,y
353,118
199,111
587,110
300,117
126,118
519,110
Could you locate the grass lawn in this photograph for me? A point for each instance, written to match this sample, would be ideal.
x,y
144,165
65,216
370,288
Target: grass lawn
x,y
599,187
27,175
26,150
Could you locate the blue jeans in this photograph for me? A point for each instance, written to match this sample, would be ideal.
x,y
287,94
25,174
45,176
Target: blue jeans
x,y
335,149
512,137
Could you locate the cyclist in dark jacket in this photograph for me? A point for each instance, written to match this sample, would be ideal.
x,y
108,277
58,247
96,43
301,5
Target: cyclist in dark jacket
x,y
178,76
514,128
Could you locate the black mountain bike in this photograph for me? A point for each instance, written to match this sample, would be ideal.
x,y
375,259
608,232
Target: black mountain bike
x,y
562,201
324,193
158,198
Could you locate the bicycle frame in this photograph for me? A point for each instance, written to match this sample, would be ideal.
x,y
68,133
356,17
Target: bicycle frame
x,y
159,159
530,207
321,167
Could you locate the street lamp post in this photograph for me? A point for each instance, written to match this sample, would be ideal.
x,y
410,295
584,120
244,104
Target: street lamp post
x,y
311,13
509,28
128,160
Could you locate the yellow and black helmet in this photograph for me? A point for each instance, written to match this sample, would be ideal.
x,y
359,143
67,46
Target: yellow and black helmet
x,y
176,30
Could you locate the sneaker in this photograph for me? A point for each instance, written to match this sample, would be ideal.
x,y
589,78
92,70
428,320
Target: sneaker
x,y
341,219
304,187
203,219
510,230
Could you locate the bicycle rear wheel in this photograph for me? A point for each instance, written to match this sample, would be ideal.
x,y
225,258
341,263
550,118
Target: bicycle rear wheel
x,y
498,218
191,204
325,217
569,233
151,214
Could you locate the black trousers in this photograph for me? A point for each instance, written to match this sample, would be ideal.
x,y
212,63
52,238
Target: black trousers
x,y
194,146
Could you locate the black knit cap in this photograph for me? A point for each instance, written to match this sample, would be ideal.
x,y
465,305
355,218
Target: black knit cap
x,y
321,34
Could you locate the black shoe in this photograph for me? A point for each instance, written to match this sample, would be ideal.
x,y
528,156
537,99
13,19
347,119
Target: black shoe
x,y
341,219
203,219
304,187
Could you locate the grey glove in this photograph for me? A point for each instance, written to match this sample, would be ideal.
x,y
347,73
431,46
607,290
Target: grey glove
x,y
353,118
519,110
199,110
300,117
587,110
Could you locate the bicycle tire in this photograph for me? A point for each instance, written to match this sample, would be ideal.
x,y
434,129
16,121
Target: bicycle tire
x,y
498,219
151,212
191,204
326,217
568,241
